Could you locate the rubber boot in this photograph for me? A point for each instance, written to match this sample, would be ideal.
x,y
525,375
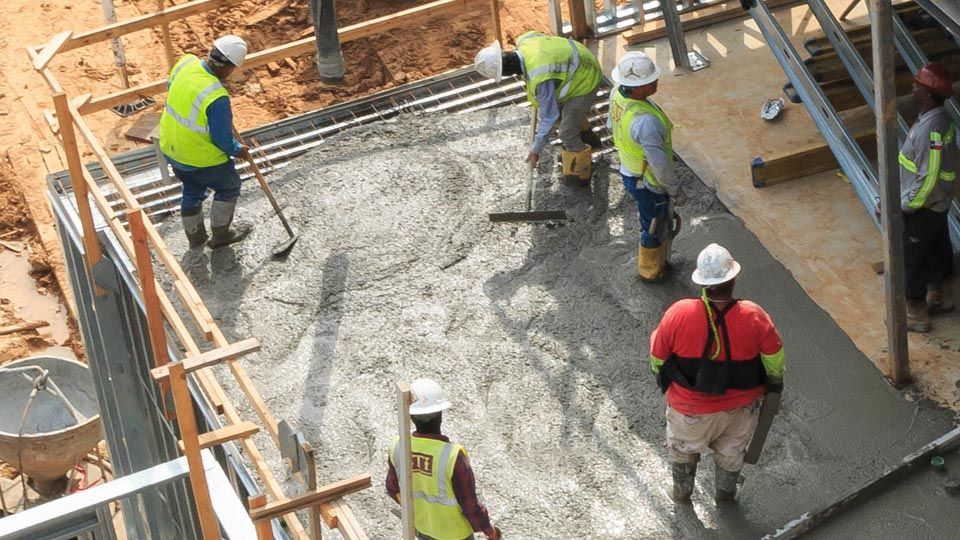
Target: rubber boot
x,y
193,226
918,320
577,166
940,299
726,482
684,475
221,217
651,262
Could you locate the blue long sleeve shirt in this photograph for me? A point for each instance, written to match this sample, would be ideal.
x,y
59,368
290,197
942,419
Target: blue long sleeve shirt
x,y
220,123
548,111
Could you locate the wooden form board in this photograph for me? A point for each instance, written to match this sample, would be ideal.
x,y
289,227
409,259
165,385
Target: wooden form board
x,y
210,358
800,163
696,17
326,493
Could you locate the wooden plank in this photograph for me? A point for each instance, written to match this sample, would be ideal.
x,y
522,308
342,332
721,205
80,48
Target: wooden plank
x,y
191,306
306,45
316,531
55,87
158,336
328,492
347,522
209,358
264,531
78,179
105,162
50,49
403,461
187,424
803,162
22,327
697,18
578,20
165,36
229,433
143,22
329,515
495,18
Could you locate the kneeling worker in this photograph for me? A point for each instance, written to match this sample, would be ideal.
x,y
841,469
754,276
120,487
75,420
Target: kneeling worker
x,y
445,501
644,139
562,77
713,356
196,136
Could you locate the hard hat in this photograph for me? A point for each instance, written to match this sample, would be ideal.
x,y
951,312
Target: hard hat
x,y
715,265
234,48
489,62
635,69
428,397
934,76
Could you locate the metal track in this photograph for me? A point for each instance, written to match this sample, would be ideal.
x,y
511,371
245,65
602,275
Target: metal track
x,y
278,143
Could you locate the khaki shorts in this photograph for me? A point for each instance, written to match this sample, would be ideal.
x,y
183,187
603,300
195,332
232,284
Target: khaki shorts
x,y
726,433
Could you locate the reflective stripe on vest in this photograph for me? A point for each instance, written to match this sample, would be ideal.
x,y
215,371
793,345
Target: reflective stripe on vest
x,y
437,512
561,59
934,164
623,112
184,129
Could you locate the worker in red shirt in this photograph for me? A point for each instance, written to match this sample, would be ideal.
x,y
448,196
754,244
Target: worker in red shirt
x,y
714,356
445,501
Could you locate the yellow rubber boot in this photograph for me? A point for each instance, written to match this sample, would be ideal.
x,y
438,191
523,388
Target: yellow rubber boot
x,y
577,165
651,261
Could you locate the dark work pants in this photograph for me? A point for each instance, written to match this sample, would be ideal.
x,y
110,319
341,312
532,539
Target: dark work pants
x,y
222,179
927,251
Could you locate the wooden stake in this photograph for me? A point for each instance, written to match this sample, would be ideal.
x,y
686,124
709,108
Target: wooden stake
x,y
165,32
22,327
91,246
578,20
264,531
316,530
191,443
148,284
495,15
402,463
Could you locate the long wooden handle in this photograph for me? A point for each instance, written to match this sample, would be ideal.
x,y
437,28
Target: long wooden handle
x,y
531,167
264,186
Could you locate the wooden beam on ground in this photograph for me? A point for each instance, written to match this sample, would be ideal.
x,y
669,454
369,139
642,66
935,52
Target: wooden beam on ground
x,y
151,302
326,493
226,434
22,327
50,49
697,17
307,45
805,161
209,358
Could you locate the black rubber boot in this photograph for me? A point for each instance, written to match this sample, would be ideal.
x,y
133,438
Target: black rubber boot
x,y
193,227
726,484
221,217
684,475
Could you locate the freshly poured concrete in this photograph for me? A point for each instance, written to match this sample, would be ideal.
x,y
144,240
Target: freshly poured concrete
x,y
539,335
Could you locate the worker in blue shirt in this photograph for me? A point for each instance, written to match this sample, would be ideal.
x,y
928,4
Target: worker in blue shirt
x,y
196,136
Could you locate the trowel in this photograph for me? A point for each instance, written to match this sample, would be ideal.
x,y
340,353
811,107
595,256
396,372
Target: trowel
x,y
529,215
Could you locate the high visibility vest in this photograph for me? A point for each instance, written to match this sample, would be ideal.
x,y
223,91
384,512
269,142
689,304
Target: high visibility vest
x,y
184,133
567,61
436,512
935,170
623,111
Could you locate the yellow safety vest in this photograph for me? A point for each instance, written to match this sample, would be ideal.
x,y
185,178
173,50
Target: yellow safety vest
x,y
184,133
623,111
567,61
436,512
935,171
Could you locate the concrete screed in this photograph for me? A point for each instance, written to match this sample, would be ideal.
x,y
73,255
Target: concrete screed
x,y
539,334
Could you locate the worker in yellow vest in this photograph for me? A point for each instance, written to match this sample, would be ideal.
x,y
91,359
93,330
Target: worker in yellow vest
x,y
644,139
445,501
562,77
196,136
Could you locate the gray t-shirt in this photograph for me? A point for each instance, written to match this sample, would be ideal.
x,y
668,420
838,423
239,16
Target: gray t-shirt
x,y
916,189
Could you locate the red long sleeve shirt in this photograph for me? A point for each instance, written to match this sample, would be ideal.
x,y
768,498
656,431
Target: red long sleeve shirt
x,y
464,487
684,331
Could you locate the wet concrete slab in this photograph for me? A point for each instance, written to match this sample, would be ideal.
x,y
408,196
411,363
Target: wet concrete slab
x,y
539,334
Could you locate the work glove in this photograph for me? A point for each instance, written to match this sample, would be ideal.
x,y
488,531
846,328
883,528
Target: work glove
x,y
775,386
679,198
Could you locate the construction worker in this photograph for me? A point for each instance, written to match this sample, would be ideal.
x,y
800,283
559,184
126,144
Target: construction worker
x,y
562,77
445,501
928,171
713,356
644,139
196,136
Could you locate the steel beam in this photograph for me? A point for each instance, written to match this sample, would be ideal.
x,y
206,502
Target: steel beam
x,y
945,12
678,46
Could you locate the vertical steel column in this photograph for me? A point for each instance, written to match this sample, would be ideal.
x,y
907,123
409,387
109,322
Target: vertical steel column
x,y
329,57
884,66
678,46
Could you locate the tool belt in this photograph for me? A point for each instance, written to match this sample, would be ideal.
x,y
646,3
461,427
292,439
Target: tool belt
x,y
710,376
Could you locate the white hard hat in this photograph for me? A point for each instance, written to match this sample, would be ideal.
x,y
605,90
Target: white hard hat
x,y
635,69
489,62
715,265
234,48
428,397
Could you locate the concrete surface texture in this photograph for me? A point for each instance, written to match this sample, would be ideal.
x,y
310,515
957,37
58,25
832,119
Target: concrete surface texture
x,y
539,335
815,226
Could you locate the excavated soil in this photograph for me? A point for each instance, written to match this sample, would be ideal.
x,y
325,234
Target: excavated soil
x,y
538,333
